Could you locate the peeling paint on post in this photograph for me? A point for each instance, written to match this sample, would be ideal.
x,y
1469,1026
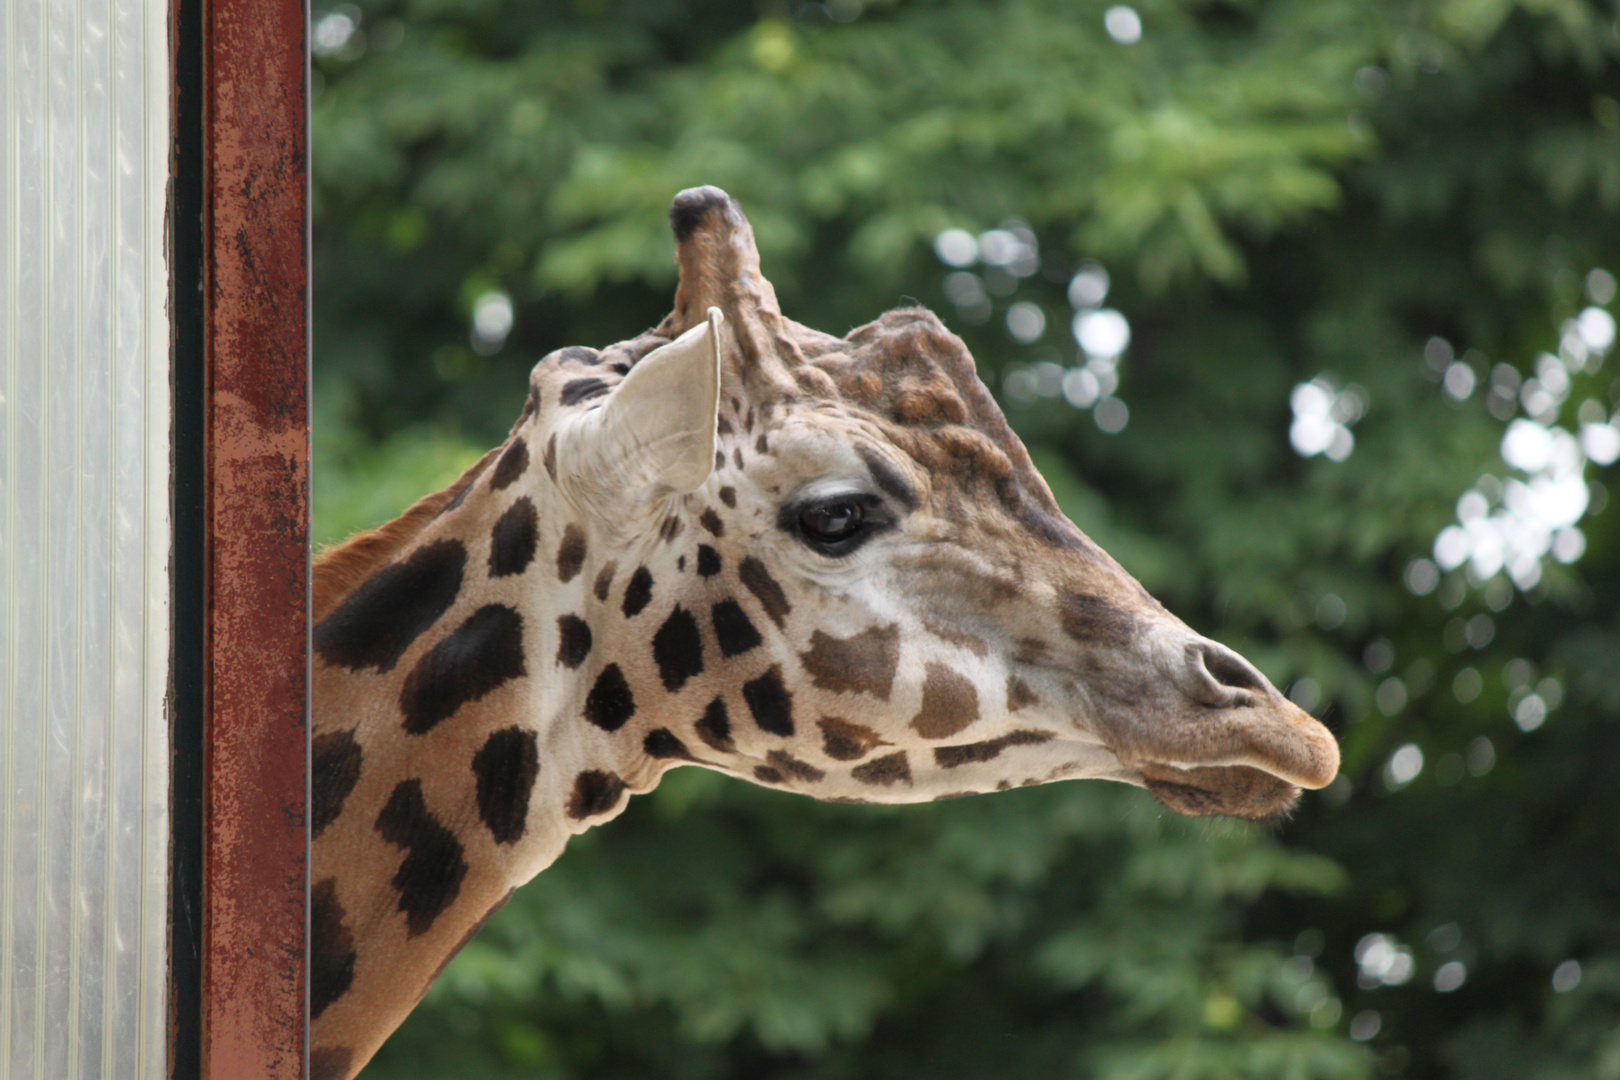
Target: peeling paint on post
x,y
256,255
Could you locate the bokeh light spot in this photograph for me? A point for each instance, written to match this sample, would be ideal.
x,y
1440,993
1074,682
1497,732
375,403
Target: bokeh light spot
x,y
1529,712
1331,611
1600,286
1404,765
1467,685
1104,332
1123,24
1026,322
1089,286
492,318
1421,577
1459,381
1450,976
334,32
956,247
1322,418
1383,961
1365,1025
1111,415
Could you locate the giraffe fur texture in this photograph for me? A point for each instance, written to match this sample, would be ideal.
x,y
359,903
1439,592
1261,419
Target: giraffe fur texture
x,y
820,564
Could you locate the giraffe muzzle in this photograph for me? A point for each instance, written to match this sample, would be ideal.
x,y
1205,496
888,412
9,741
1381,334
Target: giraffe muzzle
x,y
1219,738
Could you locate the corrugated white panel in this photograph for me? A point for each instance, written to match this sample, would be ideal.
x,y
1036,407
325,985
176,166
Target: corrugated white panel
x,y
84,538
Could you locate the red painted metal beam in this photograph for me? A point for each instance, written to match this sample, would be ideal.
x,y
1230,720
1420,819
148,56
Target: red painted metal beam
x,y
256,310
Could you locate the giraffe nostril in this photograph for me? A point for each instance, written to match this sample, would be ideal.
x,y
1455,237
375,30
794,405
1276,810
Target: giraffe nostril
x,y
1222,678
1232,670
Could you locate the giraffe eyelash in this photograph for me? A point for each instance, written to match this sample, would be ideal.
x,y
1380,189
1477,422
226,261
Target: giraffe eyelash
x,y
871,513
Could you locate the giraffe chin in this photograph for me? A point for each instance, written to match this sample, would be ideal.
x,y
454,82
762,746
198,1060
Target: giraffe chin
x,y
1230,790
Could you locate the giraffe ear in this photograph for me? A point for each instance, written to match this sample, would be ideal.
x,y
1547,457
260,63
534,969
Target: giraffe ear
x,y
655,434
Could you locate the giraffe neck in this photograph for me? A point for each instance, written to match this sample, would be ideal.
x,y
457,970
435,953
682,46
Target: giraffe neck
x,y
450,761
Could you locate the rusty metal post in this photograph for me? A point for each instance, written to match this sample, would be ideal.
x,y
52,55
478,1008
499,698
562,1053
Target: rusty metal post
x,y
253,204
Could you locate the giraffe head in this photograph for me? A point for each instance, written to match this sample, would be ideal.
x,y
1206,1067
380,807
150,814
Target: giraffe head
x,y
827,565
820,564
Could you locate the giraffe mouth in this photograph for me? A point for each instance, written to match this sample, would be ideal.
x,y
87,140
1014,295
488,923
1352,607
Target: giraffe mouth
x,y
1224,742
1249,761
1222,739
1230,790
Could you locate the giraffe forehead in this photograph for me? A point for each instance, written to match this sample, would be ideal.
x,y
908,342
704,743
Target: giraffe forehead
x,y
897,403
820,449
896,407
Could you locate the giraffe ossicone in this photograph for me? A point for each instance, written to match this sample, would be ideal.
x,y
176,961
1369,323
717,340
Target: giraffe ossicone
x,y
820,564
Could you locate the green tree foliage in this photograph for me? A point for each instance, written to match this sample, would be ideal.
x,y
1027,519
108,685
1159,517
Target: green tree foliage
x,y
1403,200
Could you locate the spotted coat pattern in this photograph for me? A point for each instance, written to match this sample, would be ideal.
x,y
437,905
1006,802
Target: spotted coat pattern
x,y
504,665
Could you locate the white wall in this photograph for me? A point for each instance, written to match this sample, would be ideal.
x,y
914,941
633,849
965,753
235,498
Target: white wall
x,y
84,541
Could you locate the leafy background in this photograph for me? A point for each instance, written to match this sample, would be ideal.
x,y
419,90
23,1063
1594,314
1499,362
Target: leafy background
x,y
1369,192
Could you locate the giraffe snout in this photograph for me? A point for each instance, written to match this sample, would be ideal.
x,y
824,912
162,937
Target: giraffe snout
x,y
1218,726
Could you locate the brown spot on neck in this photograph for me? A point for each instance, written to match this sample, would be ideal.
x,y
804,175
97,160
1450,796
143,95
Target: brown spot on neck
x,y
595,793
513,461
789,765
330,1062
1030,650
604,581
332,952
340,569
570,553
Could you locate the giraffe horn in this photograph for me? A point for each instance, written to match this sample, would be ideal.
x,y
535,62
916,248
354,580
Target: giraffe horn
x,y
719,263
719,267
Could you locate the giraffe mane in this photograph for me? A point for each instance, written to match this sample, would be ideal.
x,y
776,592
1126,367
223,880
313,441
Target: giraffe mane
x,y
340,568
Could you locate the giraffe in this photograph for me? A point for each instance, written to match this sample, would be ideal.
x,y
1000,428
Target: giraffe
x,y
824,565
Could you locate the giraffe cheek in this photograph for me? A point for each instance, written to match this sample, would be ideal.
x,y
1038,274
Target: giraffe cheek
x,y
863,664
949,703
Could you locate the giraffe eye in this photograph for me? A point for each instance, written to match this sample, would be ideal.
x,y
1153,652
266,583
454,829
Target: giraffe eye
x,y
832,522
836,524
